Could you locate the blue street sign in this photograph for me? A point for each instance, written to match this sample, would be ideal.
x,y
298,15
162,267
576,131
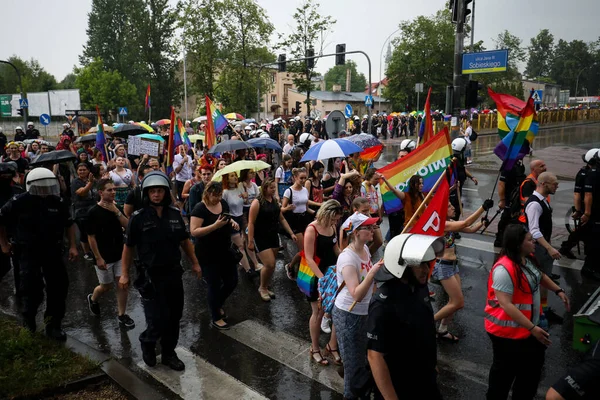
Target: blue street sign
x,y
368,100
484,62
537,95
23,103
348,111
45,119
123,111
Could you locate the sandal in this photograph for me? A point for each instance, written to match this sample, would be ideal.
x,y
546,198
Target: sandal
x,y
264,294
337,360
271,294
322,361
447,336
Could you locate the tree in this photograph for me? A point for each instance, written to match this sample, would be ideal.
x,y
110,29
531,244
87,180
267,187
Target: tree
x,y
68,82
33,77
424,53
572,60
337,76
106,88
540,55
309,33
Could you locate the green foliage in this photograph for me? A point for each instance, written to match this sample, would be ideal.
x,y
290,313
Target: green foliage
x,y
32,363
540,55
573,59
423,54
33,77
337,76
107,89
68,82
310,31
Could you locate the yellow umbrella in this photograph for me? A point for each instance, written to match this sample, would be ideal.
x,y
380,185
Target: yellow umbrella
x,y
145,126
240,166
234,116
195,138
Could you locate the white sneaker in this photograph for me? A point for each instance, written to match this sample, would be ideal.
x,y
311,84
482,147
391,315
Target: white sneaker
x,y
325,324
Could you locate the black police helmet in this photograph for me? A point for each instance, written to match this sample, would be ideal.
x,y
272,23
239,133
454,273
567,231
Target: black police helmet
x,y
156,179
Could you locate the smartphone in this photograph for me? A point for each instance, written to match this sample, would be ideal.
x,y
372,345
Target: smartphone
x,y
226,215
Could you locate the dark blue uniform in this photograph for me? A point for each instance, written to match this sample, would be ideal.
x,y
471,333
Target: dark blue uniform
x,y
8,189
592,233
159,272
38,226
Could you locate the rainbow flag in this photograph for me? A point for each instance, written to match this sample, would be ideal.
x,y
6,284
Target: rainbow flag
x,y
183,133
517,126
429,160
215,123
147,100
171,145
100,136
426,130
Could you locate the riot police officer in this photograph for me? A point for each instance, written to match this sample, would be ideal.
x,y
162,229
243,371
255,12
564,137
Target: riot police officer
x,y
590,221
39,218
32,132
158,231
8,189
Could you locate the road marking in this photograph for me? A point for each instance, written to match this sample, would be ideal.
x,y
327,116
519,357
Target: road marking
x,y
481,245
286,349
200,380
470,190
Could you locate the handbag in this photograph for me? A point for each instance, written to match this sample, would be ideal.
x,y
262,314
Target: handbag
x,y
306,279
235,253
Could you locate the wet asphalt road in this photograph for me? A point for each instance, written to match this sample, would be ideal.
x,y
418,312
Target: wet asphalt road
x,y
267,353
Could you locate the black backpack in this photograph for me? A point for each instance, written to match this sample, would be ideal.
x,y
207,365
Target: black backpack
x,y
473,136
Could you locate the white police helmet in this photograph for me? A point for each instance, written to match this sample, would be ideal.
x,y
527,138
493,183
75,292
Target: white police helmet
x,y
459,144
407,145
264,135
590,155
29,124
42,182
18,128
399,253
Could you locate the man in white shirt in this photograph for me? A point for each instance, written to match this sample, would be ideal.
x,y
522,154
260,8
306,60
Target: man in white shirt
x,y
182,165
467,136
287,149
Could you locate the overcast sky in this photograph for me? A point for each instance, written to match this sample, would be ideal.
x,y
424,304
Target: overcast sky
x,y
54,31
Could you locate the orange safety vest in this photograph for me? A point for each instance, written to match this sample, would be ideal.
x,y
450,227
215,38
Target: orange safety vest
x,y
497,321
522,217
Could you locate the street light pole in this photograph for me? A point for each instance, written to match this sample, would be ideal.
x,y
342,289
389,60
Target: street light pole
x,y
380,62
21,88
577,83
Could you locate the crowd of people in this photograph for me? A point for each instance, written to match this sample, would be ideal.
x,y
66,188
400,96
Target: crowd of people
x,y
133,216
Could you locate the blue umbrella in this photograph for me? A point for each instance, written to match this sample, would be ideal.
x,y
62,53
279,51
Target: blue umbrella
x,y
332,148
265,143
249,120
151,136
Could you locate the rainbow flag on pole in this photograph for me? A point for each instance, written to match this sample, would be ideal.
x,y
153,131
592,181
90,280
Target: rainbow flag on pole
x,y
517,126
426,130
183,133
215,123
147,100
100,136
429,160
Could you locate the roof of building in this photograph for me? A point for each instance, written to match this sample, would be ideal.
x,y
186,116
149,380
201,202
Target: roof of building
x,y
375,85
341,96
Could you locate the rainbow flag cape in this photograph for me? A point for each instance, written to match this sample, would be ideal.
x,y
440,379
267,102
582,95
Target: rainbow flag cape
x,y
426,130
183,133
429,160
100,136
516,120
147,100
171,145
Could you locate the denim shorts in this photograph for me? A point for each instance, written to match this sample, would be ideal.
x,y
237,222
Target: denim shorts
x,y
444,270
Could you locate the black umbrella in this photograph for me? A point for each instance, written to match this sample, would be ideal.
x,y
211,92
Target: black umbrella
x,y
230,145
54,157
86,138
125,130
265,143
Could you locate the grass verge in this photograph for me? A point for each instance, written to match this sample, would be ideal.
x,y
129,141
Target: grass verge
x,y
30,363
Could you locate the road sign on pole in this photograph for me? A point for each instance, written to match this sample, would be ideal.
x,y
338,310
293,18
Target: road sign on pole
x,y
123,111
368,100
23,103
484,62
537,95
45,119
419,90
348,111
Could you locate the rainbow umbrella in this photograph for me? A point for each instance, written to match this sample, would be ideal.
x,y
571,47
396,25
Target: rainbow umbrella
x,y
236,116
164,121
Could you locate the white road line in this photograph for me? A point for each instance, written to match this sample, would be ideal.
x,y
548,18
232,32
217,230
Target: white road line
x,y
200,380
286,349
489,247
470,190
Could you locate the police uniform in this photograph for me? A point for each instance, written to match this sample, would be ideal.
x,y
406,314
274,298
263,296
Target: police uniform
x,y
578,234
592,242
8,189
158,240
512,181
38,225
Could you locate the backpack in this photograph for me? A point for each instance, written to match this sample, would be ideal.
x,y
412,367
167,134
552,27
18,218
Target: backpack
x,y
328,289
473,136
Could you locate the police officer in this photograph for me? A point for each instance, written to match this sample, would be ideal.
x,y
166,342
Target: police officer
x,y
508,192
8,189
591,217
19,134
32,132
40,218
158,231
590,158
67,131
402,349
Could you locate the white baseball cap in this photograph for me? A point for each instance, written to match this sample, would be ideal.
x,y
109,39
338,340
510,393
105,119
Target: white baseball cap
x,y
357,219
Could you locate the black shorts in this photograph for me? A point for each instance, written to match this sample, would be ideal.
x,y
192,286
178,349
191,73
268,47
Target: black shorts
x,y
241,222
298,222
266,241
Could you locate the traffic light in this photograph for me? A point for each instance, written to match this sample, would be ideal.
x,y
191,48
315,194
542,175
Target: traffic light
x,y
298,107
472,97
466,11
20,111
281,63
454,6
340,59
310,54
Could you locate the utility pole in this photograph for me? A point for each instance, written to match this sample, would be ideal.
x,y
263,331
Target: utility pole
x,y
457,81
25,110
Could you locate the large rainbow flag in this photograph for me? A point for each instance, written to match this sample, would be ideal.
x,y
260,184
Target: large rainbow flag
x,y
100,136
426,130
516,119
215,123
147,99
429,160
181,133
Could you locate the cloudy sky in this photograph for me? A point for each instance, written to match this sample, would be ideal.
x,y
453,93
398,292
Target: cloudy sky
x,y
54,31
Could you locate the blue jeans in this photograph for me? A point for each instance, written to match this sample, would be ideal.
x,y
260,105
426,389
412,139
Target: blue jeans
x,y
351,330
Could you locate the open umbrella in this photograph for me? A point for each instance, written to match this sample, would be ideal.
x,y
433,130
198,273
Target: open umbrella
x,y
364,140
229,145
195,138
240,166
164,121
145,126
199,119
107,129
125,130
265,143
332,148
40,141
91,137
54,157
235,116
152,136
249,121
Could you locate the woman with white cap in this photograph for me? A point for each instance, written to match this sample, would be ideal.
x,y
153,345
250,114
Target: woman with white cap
x,y
356,273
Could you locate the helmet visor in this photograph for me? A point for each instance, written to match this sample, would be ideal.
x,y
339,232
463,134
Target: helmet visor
x,y
44,187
